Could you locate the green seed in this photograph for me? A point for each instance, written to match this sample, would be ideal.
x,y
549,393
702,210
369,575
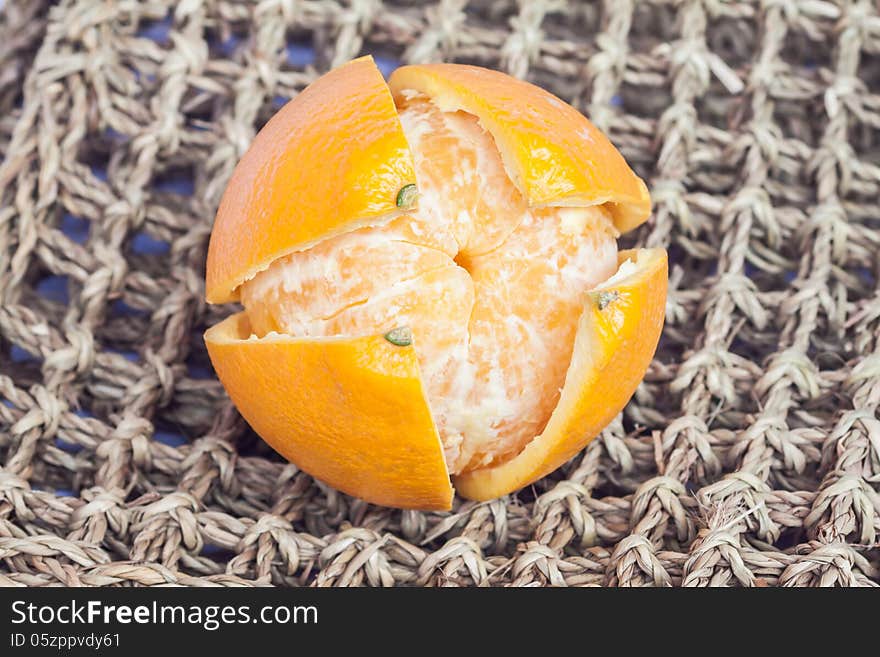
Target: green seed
x,y
401,336
407,195
607,298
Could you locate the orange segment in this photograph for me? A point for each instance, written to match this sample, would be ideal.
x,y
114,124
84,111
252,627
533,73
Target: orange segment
x,y
616,339
463,189
350,411
302,292
551,151
529,293
332,159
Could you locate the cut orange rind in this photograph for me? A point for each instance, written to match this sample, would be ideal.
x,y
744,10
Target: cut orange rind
x,y
350,411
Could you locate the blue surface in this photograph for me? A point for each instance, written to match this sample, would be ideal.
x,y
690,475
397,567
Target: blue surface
x,y
122,309
300,55
58,492
76,228
169,438
229,45
156,30
113,135
147,245
182,185
54,288
199,372
70,448
386,64
738,346
99,171
19,355
127,354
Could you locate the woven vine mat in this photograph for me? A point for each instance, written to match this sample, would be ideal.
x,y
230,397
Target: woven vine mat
x,y
750,455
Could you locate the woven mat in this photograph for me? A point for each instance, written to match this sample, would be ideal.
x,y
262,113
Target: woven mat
x,y
750,455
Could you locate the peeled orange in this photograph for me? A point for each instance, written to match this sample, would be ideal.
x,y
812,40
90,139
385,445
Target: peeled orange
x,y
431,283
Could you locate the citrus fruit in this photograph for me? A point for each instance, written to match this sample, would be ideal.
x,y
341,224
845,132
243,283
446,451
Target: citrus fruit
x,y
431,283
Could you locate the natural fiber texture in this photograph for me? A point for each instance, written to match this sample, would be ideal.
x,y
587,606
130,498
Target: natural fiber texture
x,y
751,454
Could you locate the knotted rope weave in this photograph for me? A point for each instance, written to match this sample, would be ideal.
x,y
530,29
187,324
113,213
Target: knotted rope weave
x,y
750,456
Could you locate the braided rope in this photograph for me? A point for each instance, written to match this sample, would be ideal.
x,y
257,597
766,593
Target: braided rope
x,y
750,455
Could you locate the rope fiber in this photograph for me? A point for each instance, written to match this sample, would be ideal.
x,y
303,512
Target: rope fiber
x,y
750,455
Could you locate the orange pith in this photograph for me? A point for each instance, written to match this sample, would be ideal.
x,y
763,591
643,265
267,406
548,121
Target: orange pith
x,y
492,269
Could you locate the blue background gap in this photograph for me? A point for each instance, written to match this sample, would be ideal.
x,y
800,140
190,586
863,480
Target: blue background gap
x,y
229,46
196,371
146,245
58,492
76,228
115,136
300,55
183,185
70,448
156,30
54,288
209,549
19,355
99,171
169,438
386,64
133,356
122,309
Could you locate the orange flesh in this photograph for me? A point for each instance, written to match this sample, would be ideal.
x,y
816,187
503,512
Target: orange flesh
x,y
491,289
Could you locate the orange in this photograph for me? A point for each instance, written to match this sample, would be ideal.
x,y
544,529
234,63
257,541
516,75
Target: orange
x,y
431,283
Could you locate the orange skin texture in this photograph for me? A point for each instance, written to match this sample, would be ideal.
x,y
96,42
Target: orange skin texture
x,y
551,151
332,159
352,411
337,407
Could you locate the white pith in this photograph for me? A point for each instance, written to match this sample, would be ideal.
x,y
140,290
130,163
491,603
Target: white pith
x,y
480,377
